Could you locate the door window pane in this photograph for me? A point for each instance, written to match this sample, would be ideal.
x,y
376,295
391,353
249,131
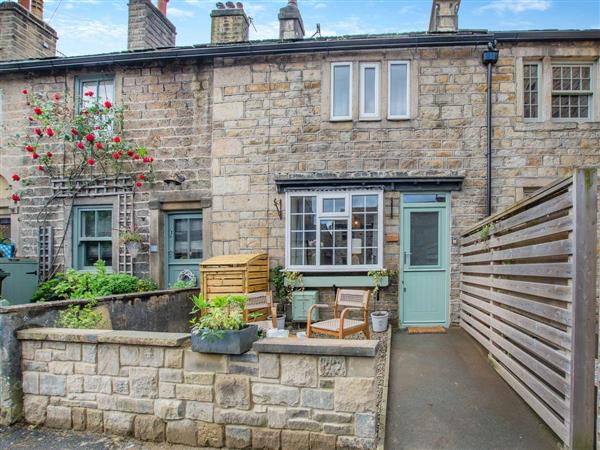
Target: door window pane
x,y
398,87
181,238
195,238
340,104
424,239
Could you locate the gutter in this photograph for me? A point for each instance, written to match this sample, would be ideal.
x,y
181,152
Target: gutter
x,y
304,46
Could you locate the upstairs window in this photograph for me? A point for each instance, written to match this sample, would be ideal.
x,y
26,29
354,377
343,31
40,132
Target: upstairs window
x,y
102,86
398,97
531,90
369,91
341,91
340,231
93,237
571,91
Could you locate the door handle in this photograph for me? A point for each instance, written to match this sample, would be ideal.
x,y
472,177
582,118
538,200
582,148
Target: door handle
x,y
403,286
406,253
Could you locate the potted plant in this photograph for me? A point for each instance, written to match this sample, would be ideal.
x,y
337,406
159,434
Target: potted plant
x,y
285,283
379,319
218,325
132,240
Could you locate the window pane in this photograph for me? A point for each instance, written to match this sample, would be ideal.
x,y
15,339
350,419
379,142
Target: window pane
x,y
424,198
90,253
369,94
296,205
104,223
398,89
334,242
341,88
195,238
88,223
181,238
334,205
530,91
424,239
106,253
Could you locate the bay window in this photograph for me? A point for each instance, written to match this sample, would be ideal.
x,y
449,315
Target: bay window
x,y
334,230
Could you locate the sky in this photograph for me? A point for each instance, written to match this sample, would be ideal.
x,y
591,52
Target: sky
x,y
99,26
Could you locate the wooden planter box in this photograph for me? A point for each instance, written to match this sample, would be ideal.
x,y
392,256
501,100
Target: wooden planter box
x,y
234,274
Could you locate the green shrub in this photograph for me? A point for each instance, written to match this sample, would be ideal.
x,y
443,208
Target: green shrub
x,y
222,313
77,316
182,284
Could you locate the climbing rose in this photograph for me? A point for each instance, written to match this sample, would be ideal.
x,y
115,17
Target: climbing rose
x,y
29,148
37,110
89,94
116,155
38,131
90,137
99,145
138,183
117,139
34,155
24,92
91,162
16,177
129,153
56,96
40,168
74,132
49,132
15,198
141,176
80,145
146,159
107,104
49,154
136,156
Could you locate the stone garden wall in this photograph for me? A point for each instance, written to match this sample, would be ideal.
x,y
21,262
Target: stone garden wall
x,y
289,394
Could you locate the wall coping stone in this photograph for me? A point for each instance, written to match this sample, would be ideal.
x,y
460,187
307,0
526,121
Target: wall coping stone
x,y
127,337
313,346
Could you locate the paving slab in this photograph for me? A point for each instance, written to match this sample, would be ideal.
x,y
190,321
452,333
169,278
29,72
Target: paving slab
x,y
444,394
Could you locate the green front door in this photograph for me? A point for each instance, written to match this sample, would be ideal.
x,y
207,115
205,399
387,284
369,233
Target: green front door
x,y
183,242
424,260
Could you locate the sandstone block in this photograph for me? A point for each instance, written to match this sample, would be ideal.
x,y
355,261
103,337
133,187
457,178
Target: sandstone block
x,y
78,418
170,375
232,76
108,359
60,367
210,435
238,437
166,390
331,417
295,440
365,425
74,384
149,428
263,438
152,356
199,411
320,441
134,405
31,383
58,417
317,398
355,443
119,423
194,392
129,355
268,365
174,358
54,385
204,362
332,366
299,370
85,368
120,386
277,417
304,424
355,395
182,432
28,349
143,382
228,111
237,417
34,409
88,353
337,428
169,409
232,391
361,367
231,184
205,378
274,394
94,420
97,384
226,147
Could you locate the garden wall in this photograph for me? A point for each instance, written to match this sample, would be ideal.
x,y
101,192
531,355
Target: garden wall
x,y
288,393
148,311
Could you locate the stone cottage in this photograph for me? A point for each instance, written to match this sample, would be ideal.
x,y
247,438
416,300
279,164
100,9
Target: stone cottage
x,y
335,155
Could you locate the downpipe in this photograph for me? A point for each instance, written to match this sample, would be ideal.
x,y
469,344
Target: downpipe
x,y
489,58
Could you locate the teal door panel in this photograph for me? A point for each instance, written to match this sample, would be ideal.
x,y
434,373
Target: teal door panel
x,y
183,245
424,261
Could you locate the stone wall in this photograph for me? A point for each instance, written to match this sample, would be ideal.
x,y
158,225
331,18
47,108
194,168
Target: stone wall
x,y
153,387
151,311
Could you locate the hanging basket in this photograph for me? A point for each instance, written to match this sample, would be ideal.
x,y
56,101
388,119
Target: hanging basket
x,y
187,276
133,248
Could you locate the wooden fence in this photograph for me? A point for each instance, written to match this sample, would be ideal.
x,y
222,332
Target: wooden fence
x,y
528,295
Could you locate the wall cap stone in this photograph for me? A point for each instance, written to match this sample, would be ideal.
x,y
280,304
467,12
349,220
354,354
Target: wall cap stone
x,y
157,339
312,346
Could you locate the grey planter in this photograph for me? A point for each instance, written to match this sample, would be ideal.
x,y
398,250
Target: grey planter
x,y
233,342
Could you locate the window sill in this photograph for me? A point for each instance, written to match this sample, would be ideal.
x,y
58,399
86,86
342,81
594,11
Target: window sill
x,y
315,281
340,119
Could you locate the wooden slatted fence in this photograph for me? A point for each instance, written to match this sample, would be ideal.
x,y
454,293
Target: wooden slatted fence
x,y
528,295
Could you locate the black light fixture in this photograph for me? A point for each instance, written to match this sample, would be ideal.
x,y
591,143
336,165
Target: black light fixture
x,y
490,56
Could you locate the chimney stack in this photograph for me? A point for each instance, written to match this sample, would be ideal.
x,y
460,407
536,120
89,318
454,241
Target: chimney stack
x,y
444,16
229,24
23,32
148,26
291,26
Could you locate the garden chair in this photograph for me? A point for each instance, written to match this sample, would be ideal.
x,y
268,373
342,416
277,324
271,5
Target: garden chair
x,y
258,307
347,300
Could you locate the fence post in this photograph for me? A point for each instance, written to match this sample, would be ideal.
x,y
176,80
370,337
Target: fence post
x,y
583,343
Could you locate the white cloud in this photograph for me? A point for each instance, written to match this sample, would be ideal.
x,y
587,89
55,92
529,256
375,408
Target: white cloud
x,y
84,36
265,30
516,6
177,12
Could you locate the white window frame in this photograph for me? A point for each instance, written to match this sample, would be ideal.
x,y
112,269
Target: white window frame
x,y
331,94
362,114
389,94
591,110
540,91
332,196
348,215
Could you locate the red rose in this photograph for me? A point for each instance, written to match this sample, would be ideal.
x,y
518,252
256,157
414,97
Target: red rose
x,y
146,159
116,155
34,155
138,183
129,153
56,96
74,132
40,168
136,156
89,94
99,145
15,198
16,177
49,132
97,127
24,92
90,137
37,131
107,104
141,176
37,110
117,139
29,148
49,154
80,145
91,162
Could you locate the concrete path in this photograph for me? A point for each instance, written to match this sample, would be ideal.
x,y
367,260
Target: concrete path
x,y
445,395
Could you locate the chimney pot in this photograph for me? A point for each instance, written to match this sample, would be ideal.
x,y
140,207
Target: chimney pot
x,y
230,5
444,16
162,6
291,26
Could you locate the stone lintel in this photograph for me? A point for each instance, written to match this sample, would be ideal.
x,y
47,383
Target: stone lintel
x,y
322,347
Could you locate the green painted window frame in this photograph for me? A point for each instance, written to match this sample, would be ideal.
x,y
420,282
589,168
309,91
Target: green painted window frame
x,y
80,81
78,256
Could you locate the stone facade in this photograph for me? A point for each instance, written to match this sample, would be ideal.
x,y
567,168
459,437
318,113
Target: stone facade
x,y
148,28
23,35
165,392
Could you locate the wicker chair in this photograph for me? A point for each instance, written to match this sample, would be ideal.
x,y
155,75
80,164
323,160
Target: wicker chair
x,y
340,326
258,307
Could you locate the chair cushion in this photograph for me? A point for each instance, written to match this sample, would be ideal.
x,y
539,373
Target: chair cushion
x,y
334,324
